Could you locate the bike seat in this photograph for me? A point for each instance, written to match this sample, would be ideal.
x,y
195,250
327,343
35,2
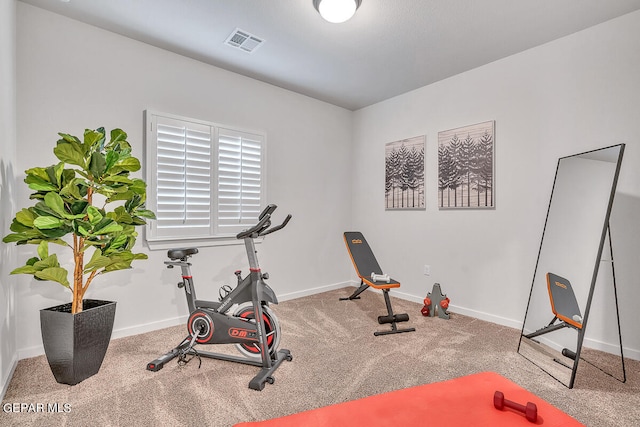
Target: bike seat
x,y
181,253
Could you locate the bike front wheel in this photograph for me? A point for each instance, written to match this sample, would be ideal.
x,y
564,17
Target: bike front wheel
x,y
271,326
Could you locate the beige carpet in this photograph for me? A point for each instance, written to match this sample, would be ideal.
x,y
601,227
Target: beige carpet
x,y
336,358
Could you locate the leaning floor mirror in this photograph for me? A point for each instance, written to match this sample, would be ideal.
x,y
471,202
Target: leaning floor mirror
x,y
575,244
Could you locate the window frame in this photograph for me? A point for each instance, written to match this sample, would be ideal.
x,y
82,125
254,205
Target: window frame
x,y
215,236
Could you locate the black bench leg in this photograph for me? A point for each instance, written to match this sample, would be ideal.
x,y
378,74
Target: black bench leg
x,y
354,295
392,318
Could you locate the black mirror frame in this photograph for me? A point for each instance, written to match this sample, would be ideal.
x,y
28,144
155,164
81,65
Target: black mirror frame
x,y
604,235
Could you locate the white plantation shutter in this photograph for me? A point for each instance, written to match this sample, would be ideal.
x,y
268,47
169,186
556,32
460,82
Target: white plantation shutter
x,y
239,179
183,178
204,181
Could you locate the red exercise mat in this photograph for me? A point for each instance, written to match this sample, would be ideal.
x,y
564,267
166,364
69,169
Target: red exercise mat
x,y
465,401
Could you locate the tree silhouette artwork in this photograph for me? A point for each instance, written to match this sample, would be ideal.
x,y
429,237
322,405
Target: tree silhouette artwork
x,y
465,167
404,174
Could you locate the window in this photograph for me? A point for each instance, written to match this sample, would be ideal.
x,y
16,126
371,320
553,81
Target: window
x,y
206,182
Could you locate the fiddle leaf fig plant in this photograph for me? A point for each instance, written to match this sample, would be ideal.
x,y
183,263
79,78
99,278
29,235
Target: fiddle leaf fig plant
x,y
71,200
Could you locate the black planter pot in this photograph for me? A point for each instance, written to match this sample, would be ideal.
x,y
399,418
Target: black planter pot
x,y
75,344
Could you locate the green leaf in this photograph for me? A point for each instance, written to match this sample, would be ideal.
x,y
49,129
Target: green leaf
x,y
43,249
58,169
128,164
97,261
58,242
82,229
25,269
39,173
68,175
21,238
55,233
139,186
70,138
71,189
55,202
38,184
120,265
25,217
120,189
97,165
120,216
110,228
120,196
94,215
118,241
79,207
42,209
110,160
118,135
70,152
49,261
145,213
97,253
119,179
54,274
94,138
18,227
47,222
51,175
133,203
119,141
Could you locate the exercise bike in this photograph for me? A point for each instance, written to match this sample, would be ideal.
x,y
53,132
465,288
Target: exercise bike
x,y
232,320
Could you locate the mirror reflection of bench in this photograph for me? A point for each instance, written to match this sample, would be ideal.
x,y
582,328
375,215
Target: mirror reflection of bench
x,y
371,275
563,305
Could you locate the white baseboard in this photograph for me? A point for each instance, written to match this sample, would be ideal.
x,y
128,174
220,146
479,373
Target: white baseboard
x,y
499,320
149,327
629,353
6,376
313,291
516,324
25,353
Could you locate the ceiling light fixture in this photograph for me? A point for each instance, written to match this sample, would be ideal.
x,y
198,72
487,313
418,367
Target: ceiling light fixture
x,y
336,11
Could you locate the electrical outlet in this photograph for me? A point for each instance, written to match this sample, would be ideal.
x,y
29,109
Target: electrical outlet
x,y
427,270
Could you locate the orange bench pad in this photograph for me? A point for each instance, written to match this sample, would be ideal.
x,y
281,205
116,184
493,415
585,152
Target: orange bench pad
x,y
380,285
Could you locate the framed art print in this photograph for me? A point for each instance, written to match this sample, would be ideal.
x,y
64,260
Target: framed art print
x,y
466,167
404,174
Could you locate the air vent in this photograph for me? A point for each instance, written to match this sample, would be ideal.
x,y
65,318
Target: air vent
x,y
243,40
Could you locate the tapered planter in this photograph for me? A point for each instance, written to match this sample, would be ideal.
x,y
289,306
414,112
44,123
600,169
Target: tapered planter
x,y
75,344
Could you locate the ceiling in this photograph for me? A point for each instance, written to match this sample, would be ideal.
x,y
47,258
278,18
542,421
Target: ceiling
x,y
388,48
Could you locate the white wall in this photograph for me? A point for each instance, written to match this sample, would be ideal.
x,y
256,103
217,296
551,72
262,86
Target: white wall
x,y
8,328
572,95
72,76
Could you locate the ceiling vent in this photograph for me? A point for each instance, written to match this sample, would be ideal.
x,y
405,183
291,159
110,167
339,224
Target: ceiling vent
x,y
243,40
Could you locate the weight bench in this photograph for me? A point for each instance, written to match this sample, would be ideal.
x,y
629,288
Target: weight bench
x,y
563,305
370,275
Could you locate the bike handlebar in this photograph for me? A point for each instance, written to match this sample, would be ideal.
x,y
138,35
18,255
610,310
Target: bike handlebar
x,y
262,227
277,227
267,211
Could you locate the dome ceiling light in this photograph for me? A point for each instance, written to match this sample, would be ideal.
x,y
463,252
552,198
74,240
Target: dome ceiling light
x,y
336,11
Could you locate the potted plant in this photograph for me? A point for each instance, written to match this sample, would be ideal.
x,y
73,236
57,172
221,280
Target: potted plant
x,y
71,199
